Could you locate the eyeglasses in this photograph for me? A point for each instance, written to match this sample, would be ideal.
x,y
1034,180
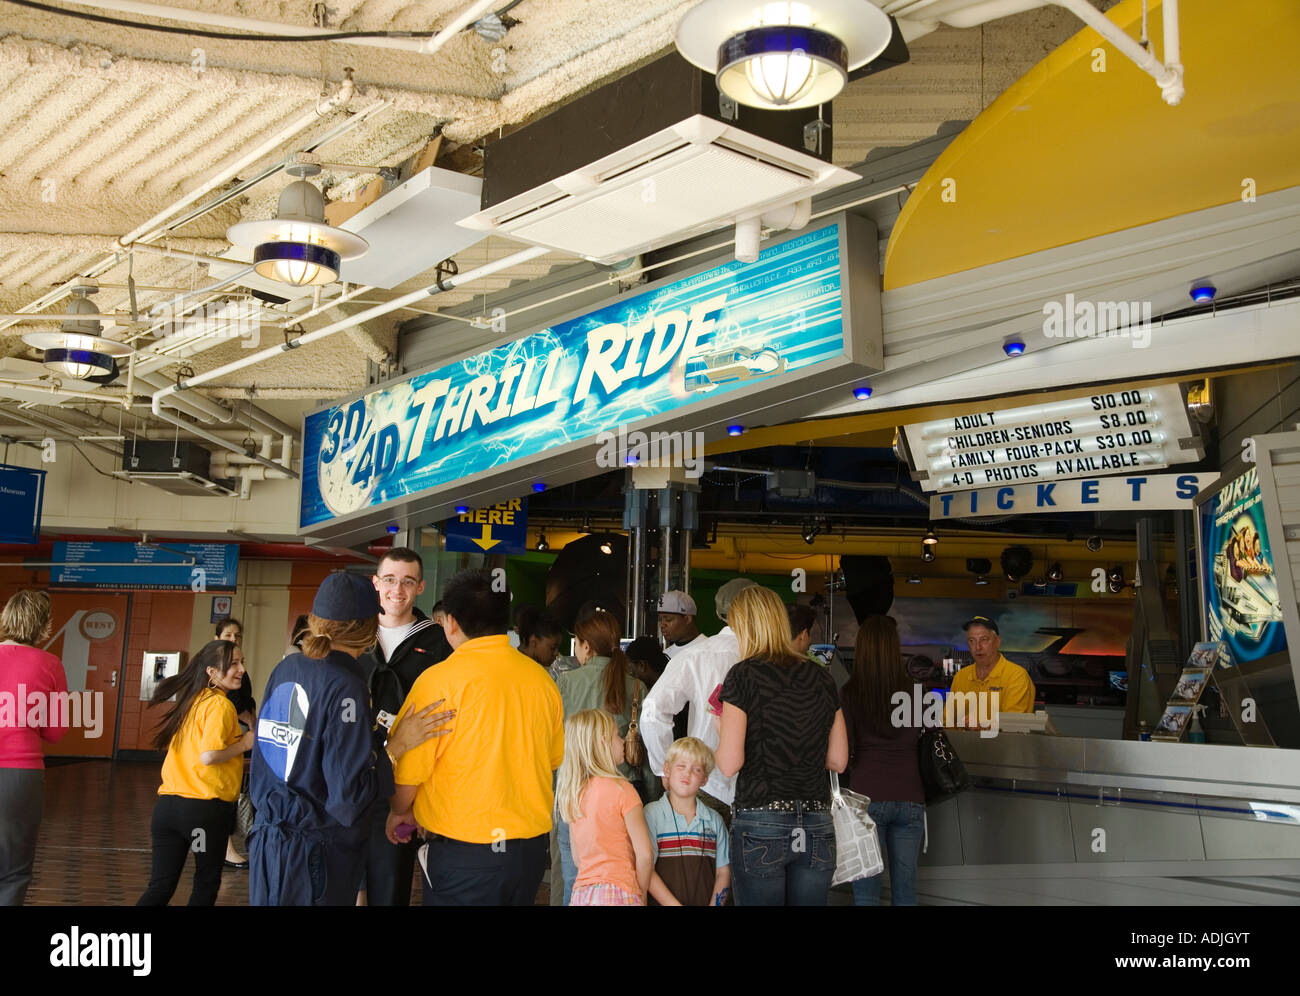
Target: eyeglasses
x,y
391,580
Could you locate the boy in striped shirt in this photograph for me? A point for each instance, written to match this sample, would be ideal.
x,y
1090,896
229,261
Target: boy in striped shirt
x,y
692,867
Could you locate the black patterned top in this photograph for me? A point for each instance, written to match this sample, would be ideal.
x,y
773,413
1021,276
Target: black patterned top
x,y
790,709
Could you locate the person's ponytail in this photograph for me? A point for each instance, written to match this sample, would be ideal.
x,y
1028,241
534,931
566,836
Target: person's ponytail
x,y
601,632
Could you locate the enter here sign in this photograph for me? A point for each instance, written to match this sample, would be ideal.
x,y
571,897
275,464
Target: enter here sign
x,y
501,528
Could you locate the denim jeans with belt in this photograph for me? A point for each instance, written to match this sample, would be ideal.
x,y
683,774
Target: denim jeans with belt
x,y
899,826
782,857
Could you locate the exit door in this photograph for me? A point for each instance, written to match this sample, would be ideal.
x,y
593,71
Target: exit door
x,y
88,634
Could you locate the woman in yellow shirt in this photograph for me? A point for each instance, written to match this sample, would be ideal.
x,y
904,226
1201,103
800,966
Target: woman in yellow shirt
x,y
201,774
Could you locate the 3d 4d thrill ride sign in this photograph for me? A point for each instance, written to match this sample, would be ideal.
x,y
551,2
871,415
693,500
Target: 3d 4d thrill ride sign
x,y
692,352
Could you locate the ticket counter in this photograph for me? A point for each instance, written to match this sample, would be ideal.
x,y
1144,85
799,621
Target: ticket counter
x,y
1054,820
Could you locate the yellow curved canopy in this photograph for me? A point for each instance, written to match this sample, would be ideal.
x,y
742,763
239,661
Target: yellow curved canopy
x,y
1074,150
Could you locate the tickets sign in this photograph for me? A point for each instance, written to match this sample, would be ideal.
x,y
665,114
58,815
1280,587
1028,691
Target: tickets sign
x,y
1128,430
1088,494
682,346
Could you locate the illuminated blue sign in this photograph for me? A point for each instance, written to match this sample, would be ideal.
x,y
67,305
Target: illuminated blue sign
x,y
674,347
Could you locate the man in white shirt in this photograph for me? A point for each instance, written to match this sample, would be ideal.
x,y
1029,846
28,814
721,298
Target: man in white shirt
x,y
407,643
677,622
692,677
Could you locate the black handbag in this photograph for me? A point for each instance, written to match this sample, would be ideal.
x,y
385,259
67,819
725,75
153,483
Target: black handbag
x,y
942,772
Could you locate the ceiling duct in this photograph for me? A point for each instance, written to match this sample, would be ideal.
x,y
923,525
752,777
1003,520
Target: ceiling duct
x,y
594,180
181,468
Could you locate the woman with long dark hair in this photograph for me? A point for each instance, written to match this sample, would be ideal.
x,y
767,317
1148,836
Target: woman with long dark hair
x,y
604,681
200,775
883,758
230,628
25,670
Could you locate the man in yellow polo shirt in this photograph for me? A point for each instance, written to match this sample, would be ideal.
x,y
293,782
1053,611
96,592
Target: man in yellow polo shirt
x,y
483,793
991,685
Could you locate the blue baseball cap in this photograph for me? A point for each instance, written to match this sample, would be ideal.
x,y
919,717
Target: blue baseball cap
x,y
343,596
984,621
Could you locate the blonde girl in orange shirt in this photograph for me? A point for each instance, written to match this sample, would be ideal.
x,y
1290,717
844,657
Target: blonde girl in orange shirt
x,y
607,829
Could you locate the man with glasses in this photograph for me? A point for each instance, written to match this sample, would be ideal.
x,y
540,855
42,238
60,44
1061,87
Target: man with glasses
x,y
408,643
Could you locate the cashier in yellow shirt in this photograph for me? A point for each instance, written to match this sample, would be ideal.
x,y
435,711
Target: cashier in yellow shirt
x,y
990,673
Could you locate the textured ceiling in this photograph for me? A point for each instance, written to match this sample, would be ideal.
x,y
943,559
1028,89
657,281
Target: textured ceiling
x,y
102,127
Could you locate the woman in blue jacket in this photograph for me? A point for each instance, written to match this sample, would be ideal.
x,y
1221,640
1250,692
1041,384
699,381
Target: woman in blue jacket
x,y
315,769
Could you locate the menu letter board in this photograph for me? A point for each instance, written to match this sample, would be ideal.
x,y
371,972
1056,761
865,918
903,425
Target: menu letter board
x,y
1120,431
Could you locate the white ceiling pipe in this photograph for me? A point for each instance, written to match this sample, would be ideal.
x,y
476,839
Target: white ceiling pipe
x,y
465,18
196,405
1173,51
215,440
233,465
152,228
47,389
1169,77
964,14
240,23
46,429
343,298
515,259
427,46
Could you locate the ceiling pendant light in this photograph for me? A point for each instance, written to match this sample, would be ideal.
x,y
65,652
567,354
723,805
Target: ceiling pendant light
x,y
76,351
783,55
296,247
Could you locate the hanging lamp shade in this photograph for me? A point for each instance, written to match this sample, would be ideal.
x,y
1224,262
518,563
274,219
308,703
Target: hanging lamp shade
x,y
296,247
783,55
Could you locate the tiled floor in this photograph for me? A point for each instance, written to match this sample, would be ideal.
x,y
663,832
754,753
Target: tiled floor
x,y
94,845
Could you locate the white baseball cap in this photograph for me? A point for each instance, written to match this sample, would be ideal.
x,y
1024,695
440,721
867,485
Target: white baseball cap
x,y
677,601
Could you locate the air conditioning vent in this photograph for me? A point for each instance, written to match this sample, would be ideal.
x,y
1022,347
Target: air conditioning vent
x,y
594,181
180,482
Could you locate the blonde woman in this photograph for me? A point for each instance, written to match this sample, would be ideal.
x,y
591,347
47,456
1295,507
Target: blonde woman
x,y
606,825
781,729
316,770
24,670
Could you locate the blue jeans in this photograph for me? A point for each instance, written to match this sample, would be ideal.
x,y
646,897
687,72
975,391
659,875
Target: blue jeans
x,y
781,858
567,864
900,826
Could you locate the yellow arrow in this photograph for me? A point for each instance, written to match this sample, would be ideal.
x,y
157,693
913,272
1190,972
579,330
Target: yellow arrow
x,y
486,541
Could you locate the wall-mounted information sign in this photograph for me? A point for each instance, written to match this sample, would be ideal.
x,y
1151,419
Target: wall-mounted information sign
x,y
21,492
1120,431
197,567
